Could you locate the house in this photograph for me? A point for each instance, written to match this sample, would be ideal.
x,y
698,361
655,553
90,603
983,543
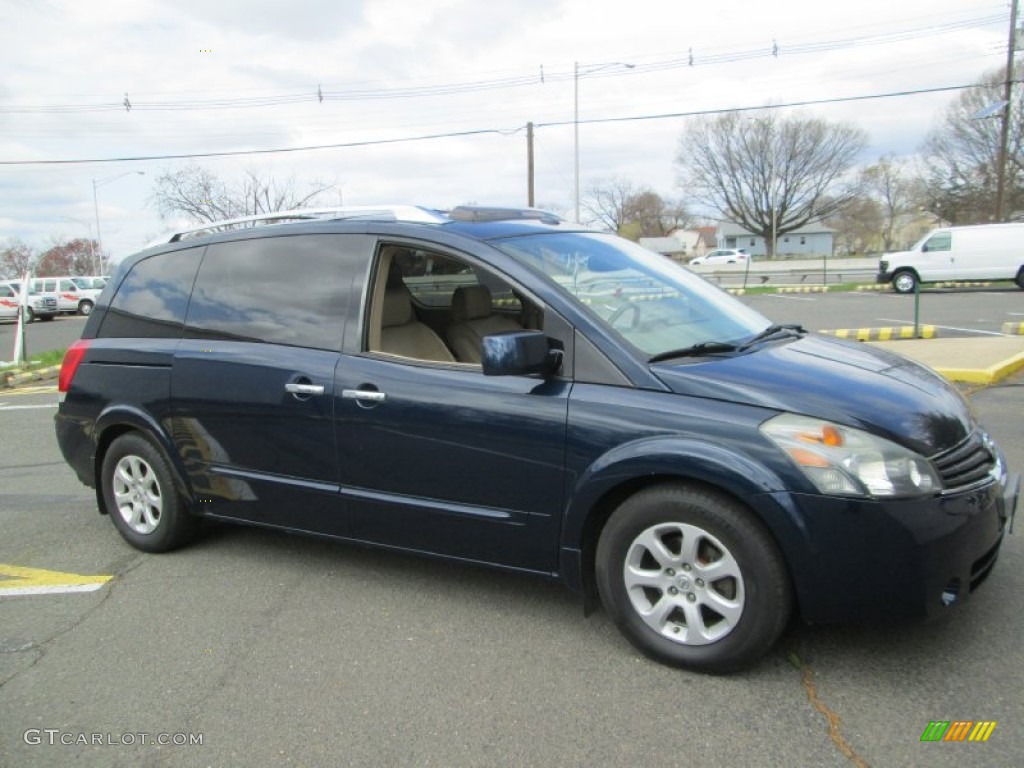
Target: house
x,y
673,247
683,244
814,239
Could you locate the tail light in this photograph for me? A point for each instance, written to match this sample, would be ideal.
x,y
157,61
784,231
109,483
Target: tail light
x,y
69,366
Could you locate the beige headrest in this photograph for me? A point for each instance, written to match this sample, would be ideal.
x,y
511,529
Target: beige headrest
x,y
471,303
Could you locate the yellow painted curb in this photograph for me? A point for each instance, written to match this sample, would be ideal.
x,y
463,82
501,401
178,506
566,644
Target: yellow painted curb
x,y
803,289
1013,329
883,334
984,375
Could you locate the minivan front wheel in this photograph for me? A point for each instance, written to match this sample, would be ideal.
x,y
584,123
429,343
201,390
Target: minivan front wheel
x,y
904,282
692,579
141,498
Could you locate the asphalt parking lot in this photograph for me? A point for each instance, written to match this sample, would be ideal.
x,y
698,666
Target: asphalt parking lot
x,y
273,649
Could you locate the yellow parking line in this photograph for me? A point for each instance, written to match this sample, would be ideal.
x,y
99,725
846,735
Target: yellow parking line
x,y
17,580
33,390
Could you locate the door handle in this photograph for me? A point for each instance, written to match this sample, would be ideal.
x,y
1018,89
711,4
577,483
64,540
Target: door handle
x,y
296,388
366,395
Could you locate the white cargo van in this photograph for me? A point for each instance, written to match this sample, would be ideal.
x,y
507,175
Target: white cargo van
x,y
980,252
70,298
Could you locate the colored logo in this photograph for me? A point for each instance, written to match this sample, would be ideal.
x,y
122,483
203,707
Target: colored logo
x,y
958,730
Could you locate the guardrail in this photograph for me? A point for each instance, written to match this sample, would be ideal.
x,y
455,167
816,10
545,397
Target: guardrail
x,y
791,272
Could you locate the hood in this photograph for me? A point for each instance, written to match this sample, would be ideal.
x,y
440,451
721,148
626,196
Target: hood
x,y
846,382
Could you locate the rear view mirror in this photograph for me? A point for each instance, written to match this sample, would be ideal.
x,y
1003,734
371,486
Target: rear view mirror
x,y
518,353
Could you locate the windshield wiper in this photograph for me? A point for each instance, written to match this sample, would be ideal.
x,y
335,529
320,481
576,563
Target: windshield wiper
x,y
773,332
694,349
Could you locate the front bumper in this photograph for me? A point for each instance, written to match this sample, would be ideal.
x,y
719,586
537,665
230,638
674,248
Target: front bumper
x,y
900,559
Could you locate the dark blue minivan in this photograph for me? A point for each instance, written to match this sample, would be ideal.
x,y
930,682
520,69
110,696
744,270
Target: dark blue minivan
x,y
500,387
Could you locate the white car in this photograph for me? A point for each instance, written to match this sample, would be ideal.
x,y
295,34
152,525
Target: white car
x,y
722,256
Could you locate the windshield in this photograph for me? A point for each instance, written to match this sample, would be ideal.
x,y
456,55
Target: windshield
x,y
651,302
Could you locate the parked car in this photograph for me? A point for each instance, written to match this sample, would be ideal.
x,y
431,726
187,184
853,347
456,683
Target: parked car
x,y
979,252
722,256
500,387
38,306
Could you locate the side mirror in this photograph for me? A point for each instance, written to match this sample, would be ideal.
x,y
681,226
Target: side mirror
x,y
518,353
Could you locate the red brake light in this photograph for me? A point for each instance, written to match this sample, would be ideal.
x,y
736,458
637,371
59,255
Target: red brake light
x,y
68,367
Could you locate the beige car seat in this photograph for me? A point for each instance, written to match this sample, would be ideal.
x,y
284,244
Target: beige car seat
x,y
472,319
402,334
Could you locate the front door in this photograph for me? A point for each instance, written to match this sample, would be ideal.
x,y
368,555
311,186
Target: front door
x,y
433,455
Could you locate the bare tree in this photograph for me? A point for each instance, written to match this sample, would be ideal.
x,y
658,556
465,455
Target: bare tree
x,y
892,185
16,258
857,226
201,196
767,169
962,156
634,212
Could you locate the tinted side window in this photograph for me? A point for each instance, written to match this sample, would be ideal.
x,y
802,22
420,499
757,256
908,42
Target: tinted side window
x,y
152,299
282,290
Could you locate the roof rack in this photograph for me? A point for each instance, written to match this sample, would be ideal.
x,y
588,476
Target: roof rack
x,y
411,213
484,213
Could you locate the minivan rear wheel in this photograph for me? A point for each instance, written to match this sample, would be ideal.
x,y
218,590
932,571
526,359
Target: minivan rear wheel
x,y
141,497
692,579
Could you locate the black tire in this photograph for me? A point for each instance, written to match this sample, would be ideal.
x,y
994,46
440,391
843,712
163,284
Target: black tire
x,y
85,307
905,281
141,497
711,626
1019,280
47,318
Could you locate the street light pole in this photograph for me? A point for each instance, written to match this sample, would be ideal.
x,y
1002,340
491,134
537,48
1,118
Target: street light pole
x,y
96,211
576,119
576,133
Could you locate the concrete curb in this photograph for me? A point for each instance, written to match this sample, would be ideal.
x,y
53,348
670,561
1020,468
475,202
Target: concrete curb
x,y
989,375
967,360
16,378
884,334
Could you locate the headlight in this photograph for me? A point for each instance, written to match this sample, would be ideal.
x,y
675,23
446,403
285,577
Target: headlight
x,y
843,461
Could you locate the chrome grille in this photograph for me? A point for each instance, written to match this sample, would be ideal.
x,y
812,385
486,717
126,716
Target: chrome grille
x,y
965,464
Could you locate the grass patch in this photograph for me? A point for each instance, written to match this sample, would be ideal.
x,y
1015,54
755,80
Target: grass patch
x,y
40,360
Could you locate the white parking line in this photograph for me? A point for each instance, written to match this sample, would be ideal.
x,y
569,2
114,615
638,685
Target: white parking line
x,y
789,297
26,407
946,327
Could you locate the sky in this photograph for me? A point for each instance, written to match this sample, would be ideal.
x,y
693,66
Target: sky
x,y
427,102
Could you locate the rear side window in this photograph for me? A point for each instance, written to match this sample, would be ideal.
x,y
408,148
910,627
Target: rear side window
x,y
280,290
152,299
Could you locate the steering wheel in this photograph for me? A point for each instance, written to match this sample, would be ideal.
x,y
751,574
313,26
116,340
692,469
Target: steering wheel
x,y
631,307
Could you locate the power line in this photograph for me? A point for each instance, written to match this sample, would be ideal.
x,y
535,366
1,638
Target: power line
x,y
483,131
139,103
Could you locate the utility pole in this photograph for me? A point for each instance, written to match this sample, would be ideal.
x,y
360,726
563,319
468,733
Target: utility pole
x,y
1004,131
